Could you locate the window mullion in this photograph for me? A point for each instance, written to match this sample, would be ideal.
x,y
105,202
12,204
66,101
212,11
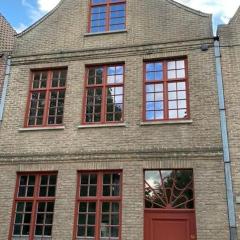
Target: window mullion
x,y
34,207
104,96
108,16
98,207
45,114
165,90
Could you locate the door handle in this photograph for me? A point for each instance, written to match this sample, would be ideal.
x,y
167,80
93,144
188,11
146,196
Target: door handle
x,y
192,236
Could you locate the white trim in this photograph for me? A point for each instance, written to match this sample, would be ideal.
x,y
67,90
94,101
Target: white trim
x,y
27,129
103,33
102,125
167,122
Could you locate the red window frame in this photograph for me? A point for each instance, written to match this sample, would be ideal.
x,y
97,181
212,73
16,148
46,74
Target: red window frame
x,y
104,86
47,90
36,201
165,81
108,5
98,199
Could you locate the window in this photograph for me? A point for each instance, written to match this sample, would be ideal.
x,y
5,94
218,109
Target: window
x,y
104,94
107,15
98,206
46,98
169,189
34,206
166,90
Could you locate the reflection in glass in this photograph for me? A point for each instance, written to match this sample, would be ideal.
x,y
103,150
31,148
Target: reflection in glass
x,y
169,189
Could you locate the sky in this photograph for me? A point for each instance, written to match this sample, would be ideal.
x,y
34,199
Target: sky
x,y
22,13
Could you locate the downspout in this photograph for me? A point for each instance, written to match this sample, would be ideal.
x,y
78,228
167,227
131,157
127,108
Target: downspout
x,y
5,85
225,142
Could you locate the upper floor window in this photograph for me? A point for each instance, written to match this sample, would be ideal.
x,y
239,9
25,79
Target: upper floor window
x,y
104,94
166,90
107,15
33,207
46,98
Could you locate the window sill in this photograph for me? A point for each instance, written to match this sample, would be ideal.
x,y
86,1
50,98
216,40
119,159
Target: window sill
x,y
102,125
103,33
167,122
27,129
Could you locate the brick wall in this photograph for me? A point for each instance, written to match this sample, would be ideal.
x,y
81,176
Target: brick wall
x,y
230,42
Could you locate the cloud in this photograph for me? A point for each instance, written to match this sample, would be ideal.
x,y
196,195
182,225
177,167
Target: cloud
x,y
223,8
47,5
20,27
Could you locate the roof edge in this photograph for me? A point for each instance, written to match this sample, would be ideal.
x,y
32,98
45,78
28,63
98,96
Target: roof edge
x,y
199,13
40,20
235,16
1,15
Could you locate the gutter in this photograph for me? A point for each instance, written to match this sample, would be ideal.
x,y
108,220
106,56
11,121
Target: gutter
x,y
225,142
5,85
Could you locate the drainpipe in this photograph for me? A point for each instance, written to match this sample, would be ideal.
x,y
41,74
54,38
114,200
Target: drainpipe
x,y
5,85
226,153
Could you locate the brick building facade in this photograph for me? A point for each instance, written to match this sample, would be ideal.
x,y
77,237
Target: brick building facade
x,y
230,61
6,45
140,103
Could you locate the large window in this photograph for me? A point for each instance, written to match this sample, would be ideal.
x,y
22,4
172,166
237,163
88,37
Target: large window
x,y
107,15
33,207
98,207
104,94
46,98
166,90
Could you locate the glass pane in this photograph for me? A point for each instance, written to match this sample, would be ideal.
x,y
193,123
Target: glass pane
x,y
173,114
180,64
180,73
171,65
172,74
149,115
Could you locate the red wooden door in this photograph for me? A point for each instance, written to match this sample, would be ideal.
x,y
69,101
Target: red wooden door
x,y
162,224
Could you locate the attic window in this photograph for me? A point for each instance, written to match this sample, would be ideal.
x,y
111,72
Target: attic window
x,y
107,15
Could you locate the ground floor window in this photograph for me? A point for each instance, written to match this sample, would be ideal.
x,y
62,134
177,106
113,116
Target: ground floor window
x,y
98,206
33,207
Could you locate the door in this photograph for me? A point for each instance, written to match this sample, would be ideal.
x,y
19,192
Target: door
x,y
169,205
169,225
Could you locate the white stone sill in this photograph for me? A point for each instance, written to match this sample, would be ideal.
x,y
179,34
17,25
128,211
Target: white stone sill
x,y
104,33
167,122
29,129
102,125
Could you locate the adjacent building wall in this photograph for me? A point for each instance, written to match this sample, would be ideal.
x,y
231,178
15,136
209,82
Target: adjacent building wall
x,y
230,50
6,46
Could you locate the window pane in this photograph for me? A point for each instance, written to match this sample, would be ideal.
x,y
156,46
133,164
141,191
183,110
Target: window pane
x,y
98,1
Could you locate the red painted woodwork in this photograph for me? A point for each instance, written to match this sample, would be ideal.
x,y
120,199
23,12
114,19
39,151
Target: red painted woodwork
x,y
169,90
101,193
45,103
169,224
104,86
107,4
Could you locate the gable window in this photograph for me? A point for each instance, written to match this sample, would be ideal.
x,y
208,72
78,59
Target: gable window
x,y
46,98
98,207
33,208
104,94
107,15
166,90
